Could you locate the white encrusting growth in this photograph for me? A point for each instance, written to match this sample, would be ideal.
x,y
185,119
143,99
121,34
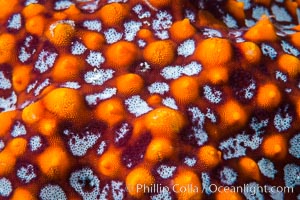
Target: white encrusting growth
x,y
190,161
137,106
62,4
294,149
258,126
252,192
18,129
45,60
80,144
230,21
101,148
112,35
291,175
93,25
26,173
122,132
4,82
269,51
82,179
131,29
71,84
166,171
161,23
5,187
288,48
228,176
212,95
267,168
141,43
283,122
77,48
158,88
170,102
163,194
138,9
15,22
52,192
206,183
190,15
281,76
44,84
35,143
92,99
2,145
258,11
9,103
198,131
98,76
186,48
281,14
24,54
211,33
174,72
95,59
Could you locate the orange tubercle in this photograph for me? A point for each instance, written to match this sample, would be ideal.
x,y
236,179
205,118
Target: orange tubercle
x,y
182,30
7,8
7,162
6,119
209,157
23,193
164,122
190,181
21,77
138,177
54,162
289,64
33,112
17,146
129,84
7,47
295,38
251,53
35,25
249,168
67,68
268,96
33,9
160,3
185,89
209,49
233,115
48,126
146,35
110,111
236,9
109,163
60,33
275,146
159,53
154,100
159,149
113,14
262,31
126,52
93,40
217,75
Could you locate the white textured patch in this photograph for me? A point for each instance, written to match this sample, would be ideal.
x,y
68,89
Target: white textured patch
x,y
212,95
79,144
186,48
28,2
138,9
269,51
77,48
63,4
281,76
158,88
258,126
117,191
198,119
274,194
228,176
170,102
190,161
163,194
206,183
98,76
4,82
122,132
190,15
9,103
131,29
249,22
24,55
35,143
288,48
252,192
112,36
292,175
267,168
211,33
18,129
166,171
107,93
45,61
283,122
52,192
294,149
93,25
230,21
101,148
85,178
258,11
71,84
5,187
174,72
44,84
161,23
95,59
2,145
15,22
281,14
26,173
141,43
137,106
235,147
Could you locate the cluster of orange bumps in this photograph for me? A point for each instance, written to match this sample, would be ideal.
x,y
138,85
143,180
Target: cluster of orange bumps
x,y
151,92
